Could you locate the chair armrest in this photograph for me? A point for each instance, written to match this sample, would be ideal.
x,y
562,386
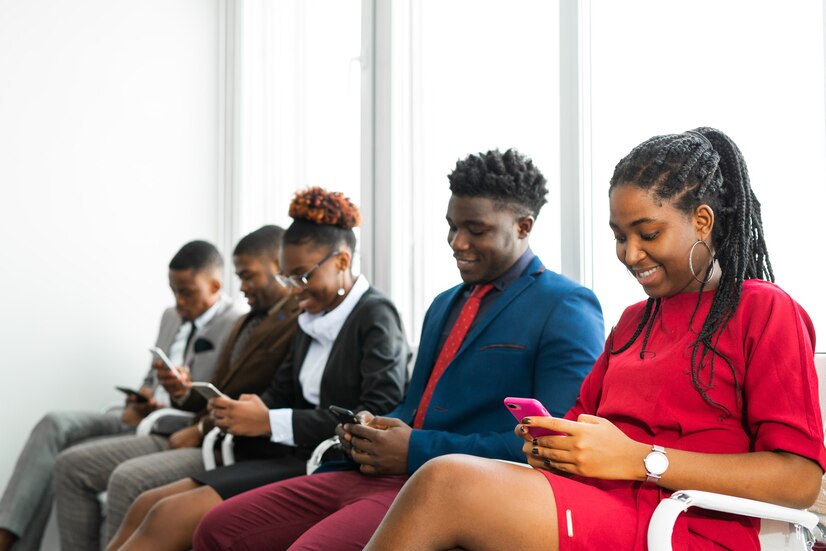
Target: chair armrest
x,y
208,448
319,451
148,423
227,450
666,513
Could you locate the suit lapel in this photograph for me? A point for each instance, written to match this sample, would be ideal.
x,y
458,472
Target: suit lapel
x,y
426,357
271,324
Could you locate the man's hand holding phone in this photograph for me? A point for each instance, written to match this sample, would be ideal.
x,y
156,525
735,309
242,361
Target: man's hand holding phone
x,y
187,437
136,410
379,444
177,382
344,435
246,416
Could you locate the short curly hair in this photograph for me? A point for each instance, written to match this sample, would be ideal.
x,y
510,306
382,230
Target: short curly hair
x,y
508,178
326,218
200,256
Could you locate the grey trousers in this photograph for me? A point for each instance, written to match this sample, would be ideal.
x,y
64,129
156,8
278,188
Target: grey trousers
x,y
124,467
27,502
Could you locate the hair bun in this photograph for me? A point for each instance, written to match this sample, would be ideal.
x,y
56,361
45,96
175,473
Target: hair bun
x,y
320,206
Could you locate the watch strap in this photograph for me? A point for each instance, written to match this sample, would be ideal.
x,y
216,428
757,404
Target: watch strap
x,y
650,476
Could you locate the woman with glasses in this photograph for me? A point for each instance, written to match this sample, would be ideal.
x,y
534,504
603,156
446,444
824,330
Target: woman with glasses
x,y
350,351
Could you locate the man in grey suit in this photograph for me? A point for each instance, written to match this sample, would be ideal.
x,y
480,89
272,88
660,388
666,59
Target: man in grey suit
x,y
191,334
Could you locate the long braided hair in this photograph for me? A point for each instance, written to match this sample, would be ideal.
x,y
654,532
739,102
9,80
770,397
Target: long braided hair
x,y
704,166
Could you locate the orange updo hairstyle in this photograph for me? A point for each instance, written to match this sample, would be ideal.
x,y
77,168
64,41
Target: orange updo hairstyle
x,y
325,207
323,217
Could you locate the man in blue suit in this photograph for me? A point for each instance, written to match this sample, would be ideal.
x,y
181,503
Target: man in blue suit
x,y
529,333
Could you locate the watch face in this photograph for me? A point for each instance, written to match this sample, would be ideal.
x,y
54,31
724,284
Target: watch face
x,y
656,463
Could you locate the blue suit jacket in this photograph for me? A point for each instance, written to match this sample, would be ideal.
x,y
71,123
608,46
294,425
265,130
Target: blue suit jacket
x,y
539,339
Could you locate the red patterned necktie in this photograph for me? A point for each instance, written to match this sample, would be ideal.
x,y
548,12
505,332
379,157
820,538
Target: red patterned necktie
x,y
450,347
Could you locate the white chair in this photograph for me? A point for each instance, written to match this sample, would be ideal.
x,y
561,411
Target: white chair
x,y
315,458
151,421
208,449
228,457
780,528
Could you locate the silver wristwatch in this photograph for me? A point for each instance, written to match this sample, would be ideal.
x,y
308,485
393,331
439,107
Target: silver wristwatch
x,y
655,463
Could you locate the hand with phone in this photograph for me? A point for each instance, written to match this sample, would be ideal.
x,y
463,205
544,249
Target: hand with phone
x,y
246,416
590,446
187,437
139,404
378,444
521,408
207,390
177,385
174,379
344,437
344,415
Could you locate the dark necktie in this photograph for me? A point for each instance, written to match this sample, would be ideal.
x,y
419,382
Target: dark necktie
x,y
450,347
252,321
192,332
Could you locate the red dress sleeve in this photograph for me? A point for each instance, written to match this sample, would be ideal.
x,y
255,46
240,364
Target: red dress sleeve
x,y
780,386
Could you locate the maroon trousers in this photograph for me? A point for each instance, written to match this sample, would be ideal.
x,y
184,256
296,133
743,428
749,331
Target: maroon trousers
x,y
338,510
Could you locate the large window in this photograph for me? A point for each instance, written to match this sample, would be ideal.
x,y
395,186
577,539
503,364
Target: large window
x,y
298,69
750,68
379,99
483,74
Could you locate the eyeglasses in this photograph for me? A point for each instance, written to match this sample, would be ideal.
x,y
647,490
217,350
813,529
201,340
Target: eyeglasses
x,y
302,281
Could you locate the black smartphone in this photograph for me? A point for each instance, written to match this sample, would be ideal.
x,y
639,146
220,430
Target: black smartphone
x,y
344,415
129,392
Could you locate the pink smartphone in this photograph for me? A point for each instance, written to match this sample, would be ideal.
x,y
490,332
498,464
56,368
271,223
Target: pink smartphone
x,y
529,407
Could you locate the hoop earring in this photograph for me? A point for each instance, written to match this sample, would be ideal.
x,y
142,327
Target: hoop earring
x,y
710,264
341,290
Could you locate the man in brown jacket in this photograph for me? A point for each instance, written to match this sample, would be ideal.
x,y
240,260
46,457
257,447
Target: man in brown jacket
x,y
126,466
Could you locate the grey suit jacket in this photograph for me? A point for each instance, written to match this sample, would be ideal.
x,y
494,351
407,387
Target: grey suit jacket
x,y
202,354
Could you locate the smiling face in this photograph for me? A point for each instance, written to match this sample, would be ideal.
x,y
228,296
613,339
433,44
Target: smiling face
x,y
486,237
321,294
654,239
258,282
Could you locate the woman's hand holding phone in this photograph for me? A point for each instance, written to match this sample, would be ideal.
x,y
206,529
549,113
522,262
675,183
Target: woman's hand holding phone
x,y
246,416
591,446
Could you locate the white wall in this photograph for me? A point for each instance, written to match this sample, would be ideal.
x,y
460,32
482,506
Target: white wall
x,y
108,163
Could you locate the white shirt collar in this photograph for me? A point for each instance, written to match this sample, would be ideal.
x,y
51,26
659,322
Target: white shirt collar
x,y
325,327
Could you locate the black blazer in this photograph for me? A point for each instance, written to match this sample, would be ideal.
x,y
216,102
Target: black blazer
x,y
366,370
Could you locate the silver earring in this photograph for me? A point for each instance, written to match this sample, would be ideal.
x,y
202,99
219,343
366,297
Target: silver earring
x,y
710,264
340,291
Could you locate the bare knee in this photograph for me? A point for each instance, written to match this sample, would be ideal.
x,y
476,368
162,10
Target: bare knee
x,y
441,476
148,499
161,512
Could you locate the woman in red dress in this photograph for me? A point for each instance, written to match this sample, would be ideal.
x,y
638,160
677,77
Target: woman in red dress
x,y
708,385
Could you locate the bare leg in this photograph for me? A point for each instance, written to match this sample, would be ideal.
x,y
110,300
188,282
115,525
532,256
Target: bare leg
x,y
172,521
140,508
6,539
459,501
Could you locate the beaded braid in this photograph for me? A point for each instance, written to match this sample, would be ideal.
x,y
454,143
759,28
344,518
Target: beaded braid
x,y
704,166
